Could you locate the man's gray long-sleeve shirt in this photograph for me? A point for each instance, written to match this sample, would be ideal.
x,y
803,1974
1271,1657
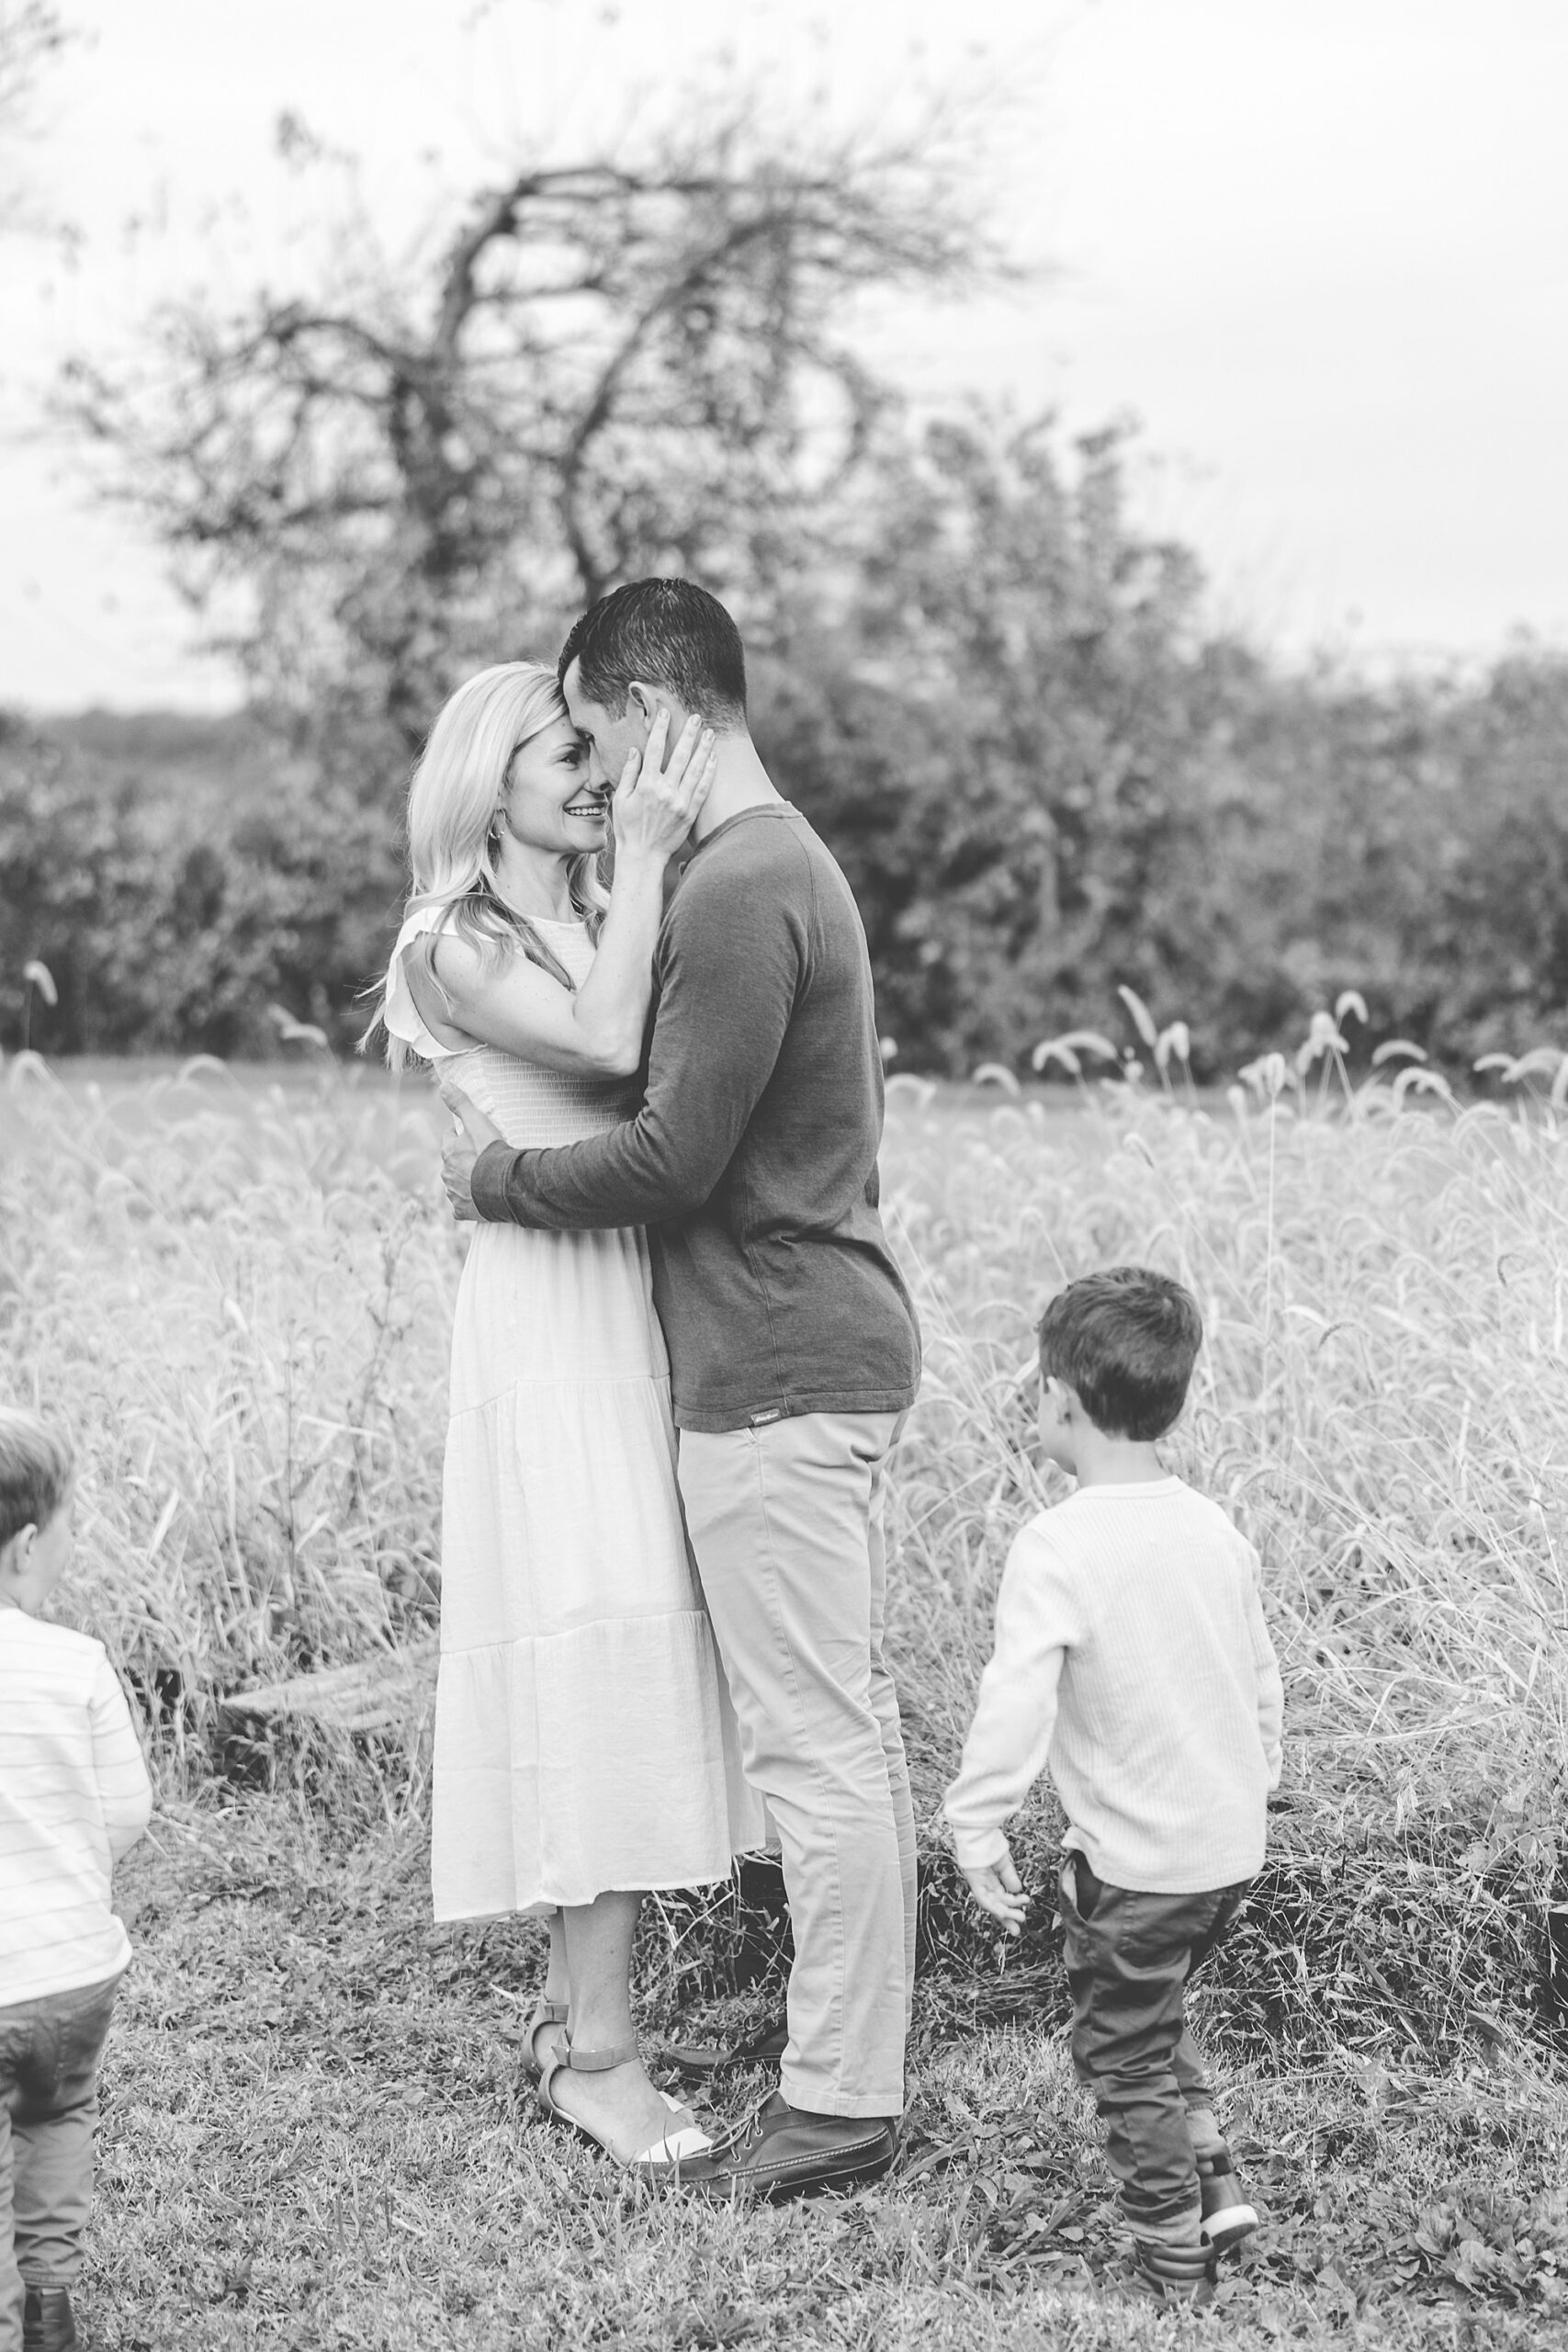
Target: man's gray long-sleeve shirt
x,y
752,1161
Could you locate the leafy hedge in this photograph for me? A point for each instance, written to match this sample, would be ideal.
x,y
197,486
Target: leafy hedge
x,y
1044,775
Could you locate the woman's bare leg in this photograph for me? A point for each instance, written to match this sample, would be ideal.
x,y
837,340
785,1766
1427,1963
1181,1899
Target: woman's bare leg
x,y
620,2105
550,2040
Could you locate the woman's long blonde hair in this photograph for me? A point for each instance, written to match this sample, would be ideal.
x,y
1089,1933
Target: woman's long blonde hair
x,y
455,801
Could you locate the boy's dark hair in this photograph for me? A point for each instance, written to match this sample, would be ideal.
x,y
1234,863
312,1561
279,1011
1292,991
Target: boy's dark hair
x,y
1126,1340
668,633
36,1470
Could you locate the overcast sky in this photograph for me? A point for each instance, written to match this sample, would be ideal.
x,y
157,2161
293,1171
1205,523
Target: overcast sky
x,y
1315,246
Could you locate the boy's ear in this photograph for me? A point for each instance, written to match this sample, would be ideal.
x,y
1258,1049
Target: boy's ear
x,y
14,1554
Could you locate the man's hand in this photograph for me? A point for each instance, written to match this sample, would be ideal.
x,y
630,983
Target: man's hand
x,y
998,1889
460,1152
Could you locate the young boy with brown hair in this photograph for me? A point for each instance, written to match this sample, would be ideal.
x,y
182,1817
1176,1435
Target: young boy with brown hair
x,y
73,1796
1132,1660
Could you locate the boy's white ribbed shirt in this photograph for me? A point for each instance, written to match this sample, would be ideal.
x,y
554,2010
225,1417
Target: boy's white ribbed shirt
x,y
1131,1655
74,1795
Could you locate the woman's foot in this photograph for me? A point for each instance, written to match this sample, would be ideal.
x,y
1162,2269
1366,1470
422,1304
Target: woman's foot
x,y
618,2106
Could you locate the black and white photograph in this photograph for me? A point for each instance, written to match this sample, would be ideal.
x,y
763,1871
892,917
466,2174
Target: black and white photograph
x,y
784,1175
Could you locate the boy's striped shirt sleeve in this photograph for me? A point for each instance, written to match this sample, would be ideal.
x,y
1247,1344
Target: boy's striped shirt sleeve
x,y
74,1795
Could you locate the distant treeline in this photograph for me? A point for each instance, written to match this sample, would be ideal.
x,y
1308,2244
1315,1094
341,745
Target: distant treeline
x,y
1042,778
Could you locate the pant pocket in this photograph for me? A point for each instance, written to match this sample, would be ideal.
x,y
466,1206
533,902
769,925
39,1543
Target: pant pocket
x,y
1079,1882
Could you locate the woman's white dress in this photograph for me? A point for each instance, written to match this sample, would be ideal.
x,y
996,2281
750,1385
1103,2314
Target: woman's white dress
x,y
583,1738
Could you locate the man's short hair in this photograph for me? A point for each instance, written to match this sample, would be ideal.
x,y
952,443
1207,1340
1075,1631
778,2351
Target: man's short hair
x,y
668,633
1126,1340
36,1469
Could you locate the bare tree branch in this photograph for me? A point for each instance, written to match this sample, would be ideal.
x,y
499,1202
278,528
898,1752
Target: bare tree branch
x,y
613,365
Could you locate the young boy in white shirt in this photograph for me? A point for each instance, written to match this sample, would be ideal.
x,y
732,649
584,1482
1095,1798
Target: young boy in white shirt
x,y
1132,1659
73,1796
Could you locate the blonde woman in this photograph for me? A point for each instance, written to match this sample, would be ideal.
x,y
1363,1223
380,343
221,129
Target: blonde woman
x,y
584,1753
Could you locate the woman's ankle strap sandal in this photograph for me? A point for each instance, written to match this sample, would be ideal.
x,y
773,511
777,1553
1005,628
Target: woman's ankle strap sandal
x,y
598,2061
578,2062
545,2013
684,2141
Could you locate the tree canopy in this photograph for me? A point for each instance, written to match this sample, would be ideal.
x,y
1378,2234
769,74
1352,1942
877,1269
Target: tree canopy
x,y
610,366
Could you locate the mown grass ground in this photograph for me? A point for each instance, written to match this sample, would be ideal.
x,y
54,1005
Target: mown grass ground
x,y
240,1297
316,2134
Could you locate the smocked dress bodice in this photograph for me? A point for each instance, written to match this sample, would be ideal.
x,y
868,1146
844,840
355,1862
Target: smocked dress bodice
x,y
532,1106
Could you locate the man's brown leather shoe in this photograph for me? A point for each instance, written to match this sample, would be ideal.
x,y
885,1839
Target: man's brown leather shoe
x,y
785,2151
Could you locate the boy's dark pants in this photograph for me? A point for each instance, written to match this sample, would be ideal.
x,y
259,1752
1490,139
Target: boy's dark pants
x,y
1129,1957
48,2110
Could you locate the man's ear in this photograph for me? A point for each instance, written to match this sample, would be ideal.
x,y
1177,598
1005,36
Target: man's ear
x,y
645,700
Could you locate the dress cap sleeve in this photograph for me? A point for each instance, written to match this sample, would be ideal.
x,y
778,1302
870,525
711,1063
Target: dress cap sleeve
x,y
400,1014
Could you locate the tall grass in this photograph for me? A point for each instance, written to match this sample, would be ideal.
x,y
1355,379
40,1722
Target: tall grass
x,y
241,1303
1383,1404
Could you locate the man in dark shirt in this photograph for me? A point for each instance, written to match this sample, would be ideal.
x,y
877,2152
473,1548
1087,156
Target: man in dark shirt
x,y
793,1344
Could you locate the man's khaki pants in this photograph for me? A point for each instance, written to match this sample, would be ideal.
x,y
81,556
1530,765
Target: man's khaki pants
x,y
787,1523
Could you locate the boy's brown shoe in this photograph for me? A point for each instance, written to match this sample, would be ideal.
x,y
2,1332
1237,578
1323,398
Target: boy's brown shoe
x,y
1227,2216
1177,2274
47,2324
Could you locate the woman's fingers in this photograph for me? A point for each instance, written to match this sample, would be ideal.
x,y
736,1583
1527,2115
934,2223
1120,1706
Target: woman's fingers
x,y
658,736
658,798
699,781
471,1119
689,760
679,766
